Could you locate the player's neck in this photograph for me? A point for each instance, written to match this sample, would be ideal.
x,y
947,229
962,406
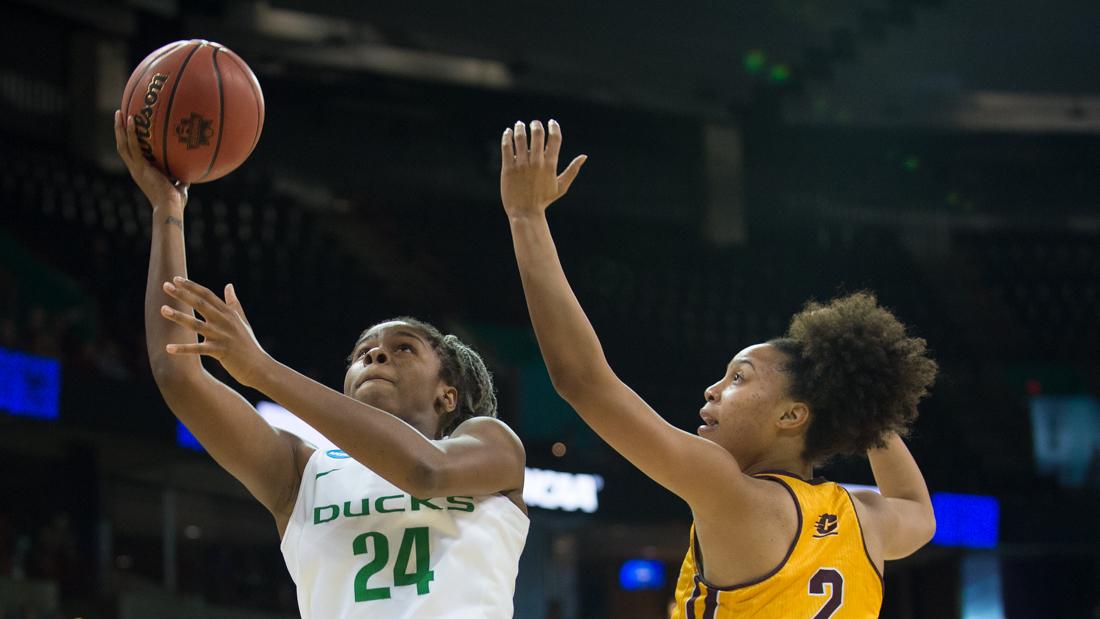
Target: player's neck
x,y
787,463
425,422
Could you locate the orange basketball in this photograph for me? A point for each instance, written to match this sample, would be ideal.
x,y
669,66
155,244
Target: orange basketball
x,y
198,108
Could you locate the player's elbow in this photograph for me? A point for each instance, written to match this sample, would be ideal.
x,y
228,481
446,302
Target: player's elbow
x,y
168,375
424,480
576,384
920,531
566,385
174,374
928,526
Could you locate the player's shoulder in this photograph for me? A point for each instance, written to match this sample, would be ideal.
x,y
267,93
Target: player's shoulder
x,y
489,428
492,431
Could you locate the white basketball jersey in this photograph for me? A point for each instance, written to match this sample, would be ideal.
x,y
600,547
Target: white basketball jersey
x,y
358,547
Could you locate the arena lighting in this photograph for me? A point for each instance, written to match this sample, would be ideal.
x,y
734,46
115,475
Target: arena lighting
x,y
185,439
754,61
966,520
1065,434
962,520
30,386
780,73
637,574
565,491
541,488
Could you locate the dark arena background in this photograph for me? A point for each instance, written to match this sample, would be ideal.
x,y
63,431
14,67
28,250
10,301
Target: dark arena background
x,y
744,158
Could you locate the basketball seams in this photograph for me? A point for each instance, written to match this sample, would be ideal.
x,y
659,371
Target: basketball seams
x,y
250,77
221,111
174,61
168,112
148,64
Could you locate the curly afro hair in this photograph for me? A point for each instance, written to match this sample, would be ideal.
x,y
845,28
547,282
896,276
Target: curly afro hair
x,y
862,376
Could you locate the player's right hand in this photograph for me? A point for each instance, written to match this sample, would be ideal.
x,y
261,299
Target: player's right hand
x,y
529,179
161,191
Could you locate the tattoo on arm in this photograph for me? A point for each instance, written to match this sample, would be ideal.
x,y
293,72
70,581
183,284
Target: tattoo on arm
x,y
173,221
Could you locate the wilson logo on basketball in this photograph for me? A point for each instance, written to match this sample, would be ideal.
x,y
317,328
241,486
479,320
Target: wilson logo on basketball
x,y
826,525
195,131
144,118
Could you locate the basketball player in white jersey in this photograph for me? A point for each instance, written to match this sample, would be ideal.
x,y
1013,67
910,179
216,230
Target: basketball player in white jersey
x,y
420,511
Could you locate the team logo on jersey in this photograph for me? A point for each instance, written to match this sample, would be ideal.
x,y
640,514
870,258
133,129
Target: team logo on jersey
x,y
337,454
392,504
827,525
195,131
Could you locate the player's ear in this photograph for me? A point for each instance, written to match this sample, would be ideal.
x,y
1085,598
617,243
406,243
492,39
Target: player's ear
x,y
796,415
447,400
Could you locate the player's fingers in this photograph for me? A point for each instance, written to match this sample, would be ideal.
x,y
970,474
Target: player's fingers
x,y
120,137
185,320
570,174
133,147
205,348
520,137
507,149
553,143
235,303
198,297
198,289
538,140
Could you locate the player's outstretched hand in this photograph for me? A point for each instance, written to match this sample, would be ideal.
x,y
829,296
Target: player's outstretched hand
x,y
227,335
529,179
152,182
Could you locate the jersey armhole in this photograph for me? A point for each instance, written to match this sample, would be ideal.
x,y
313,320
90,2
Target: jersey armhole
x,y
863,537
697,551
292,534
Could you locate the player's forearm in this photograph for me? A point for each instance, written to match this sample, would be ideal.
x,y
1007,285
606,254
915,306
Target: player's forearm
x,y
383,443
167,258
897,474
569,345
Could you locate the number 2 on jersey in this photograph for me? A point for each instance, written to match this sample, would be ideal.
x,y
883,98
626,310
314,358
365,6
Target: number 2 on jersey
x,y
414,539
835,580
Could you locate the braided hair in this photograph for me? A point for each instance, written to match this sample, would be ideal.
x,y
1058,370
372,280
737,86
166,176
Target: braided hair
x,y
462,368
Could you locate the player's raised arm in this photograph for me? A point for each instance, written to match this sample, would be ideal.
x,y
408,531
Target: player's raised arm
x,y
265,460
479,456
529,183
904,509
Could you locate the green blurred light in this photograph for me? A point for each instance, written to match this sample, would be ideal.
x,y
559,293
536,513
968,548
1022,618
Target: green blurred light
x,y
755,60
780,73
911,163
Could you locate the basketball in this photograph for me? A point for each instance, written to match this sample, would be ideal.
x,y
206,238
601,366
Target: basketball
x,y
198,108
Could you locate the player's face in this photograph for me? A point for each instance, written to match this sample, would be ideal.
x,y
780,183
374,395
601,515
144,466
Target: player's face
x,y
394,368
742,408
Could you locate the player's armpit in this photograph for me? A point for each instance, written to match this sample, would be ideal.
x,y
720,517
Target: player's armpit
x,y
902,526
482,456
261,457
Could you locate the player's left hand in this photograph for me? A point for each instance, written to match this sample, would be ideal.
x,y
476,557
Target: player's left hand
x,y
227,335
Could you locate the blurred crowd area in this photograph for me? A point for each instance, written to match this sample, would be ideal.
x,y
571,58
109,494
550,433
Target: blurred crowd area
x,y
47,571
76,247
76,243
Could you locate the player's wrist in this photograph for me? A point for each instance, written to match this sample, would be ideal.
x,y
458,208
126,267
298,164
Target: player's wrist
x,y
263,372
165,208
522,216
